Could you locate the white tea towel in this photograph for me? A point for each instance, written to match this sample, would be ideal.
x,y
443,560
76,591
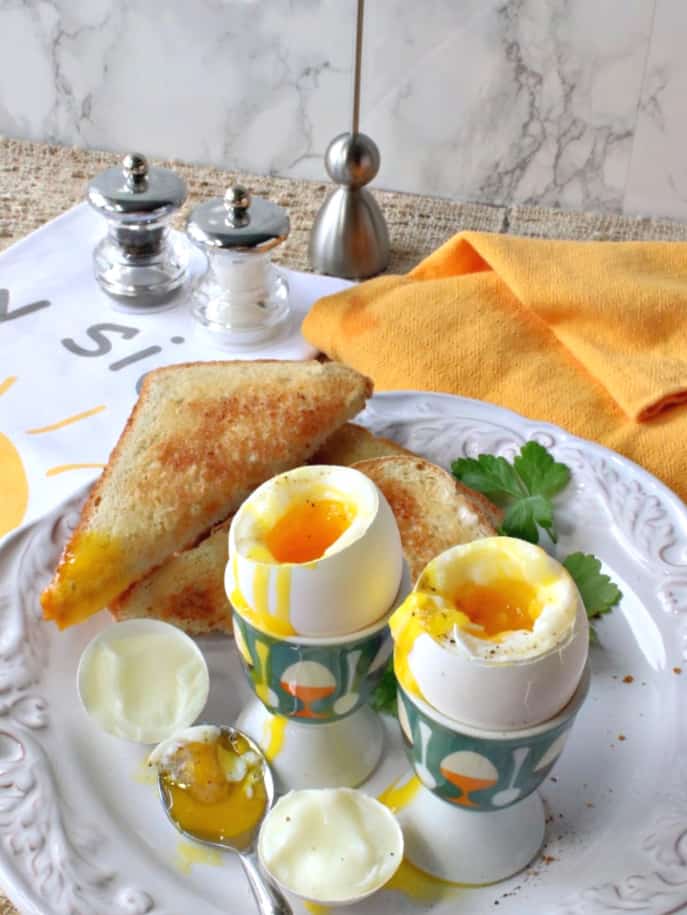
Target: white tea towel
x,y
71,360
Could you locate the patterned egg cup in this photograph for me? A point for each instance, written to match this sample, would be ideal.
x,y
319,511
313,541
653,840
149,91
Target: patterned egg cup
x,y
315,691
311,680
478,790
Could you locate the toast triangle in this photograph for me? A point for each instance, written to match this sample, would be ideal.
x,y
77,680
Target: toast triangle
x,y
201,437
433,510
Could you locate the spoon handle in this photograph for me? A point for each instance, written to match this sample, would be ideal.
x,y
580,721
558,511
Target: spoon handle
x,y
269,899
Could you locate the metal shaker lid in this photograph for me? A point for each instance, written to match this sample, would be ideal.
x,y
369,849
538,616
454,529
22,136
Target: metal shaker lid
x,y
136,189
238,221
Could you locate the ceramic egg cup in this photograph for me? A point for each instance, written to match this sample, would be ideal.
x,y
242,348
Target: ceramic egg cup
x,y
311,714
477,817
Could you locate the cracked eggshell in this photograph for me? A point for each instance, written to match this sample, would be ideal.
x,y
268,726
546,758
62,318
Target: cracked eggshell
x,y
351,586
506,694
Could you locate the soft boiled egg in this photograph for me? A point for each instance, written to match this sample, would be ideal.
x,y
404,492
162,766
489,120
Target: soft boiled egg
x,y
495,635
314,552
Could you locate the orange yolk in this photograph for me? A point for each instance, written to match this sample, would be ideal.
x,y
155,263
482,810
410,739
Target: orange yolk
x,y
307,530
204,802
502,607
88,576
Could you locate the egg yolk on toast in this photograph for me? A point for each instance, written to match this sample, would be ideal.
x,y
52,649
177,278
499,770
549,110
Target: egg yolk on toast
x,y
88,576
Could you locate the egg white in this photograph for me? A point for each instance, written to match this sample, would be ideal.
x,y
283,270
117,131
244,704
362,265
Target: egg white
x,y
330,845
516,681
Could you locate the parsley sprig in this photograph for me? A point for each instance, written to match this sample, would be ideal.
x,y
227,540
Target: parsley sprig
x,y
524,488
600,593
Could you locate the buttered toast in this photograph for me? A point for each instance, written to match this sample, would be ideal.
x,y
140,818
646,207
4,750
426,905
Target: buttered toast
x,y
432,509
352,443
188,588
433,512
201,437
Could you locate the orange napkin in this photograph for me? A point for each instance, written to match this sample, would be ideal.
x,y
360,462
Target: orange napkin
x,y
591,336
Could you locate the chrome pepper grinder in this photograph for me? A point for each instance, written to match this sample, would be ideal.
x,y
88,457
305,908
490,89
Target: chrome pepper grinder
x,y
241,299
349,237
140,263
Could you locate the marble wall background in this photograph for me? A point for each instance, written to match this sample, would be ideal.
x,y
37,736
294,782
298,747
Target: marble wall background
x,y
572,103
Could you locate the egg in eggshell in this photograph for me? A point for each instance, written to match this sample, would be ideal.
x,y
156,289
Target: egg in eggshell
x,y
494,635
314,552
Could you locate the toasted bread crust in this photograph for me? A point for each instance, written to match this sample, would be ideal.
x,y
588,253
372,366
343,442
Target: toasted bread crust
x,y
352,443
187,590
433,511
201,437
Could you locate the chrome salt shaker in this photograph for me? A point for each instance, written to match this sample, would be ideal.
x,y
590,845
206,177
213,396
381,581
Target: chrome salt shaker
x,y
241,299
139,262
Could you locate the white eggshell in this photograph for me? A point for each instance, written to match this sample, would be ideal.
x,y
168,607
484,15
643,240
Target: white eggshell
x,y
348,588
505,696
529,676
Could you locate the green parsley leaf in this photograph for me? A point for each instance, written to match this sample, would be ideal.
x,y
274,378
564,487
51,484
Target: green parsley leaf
x,y
522,517
524,488
384,694
539,472
599,592
493,476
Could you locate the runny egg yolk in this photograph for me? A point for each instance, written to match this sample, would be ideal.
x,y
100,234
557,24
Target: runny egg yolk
x,y
215,790
307,529
485,612
503,606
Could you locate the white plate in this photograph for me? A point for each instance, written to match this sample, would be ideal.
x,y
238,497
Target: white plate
x,y
80,835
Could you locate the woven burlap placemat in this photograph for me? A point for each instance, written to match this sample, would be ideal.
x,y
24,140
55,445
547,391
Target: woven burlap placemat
x,y
39,181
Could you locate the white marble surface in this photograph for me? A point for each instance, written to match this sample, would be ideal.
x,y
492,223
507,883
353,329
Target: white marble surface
x,y
573,103
657,182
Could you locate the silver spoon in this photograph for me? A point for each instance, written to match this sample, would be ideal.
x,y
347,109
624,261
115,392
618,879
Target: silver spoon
x,y
268,898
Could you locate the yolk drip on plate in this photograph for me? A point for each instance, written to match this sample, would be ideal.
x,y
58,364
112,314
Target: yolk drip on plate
x,y
215,789
308,529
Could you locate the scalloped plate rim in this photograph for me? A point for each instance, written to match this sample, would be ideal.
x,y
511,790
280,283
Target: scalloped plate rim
x,y
483,412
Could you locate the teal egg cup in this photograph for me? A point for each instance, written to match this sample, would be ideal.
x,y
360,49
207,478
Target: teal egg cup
x,y
477,817
313,680
315,693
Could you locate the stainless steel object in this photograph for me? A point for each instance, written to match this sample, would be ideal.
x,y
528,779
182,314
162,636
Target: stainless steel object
x,y
139,262
268,898
241,299
349,237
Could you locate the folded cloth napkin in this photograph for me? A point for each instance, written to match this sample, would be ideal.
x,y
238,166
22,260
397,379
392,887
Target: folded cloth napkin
x,y
591,336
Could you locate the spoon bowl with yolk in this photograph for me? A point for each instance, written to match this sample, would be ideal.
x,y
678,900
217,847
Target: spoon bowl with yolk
x,y
216,788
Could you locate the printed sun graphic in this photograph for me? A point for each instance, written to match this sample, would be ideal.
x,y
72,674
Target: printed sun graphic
x,y
14,498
